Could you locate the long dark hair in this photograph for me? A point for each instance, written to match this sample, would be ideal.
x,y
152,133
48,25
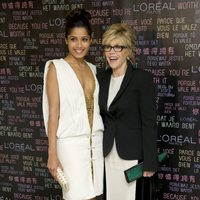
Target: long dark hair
x,y
78,18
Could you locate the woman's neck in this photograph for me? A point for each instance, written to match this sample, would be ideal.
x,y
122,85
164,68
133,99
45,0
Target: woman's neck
x,y
80,63
119,71
73,60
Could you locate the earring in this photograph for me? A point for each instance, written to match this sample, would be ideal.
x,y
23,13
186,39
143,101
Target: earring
x,y
130,60
134,64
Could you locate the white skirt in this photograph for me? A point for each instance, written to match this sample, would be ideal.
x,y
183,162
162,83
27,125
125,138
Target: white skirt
x,y
117,187
75,156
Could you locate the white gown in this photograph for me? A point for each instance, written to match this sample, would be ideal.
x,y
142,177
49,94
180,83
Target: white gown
x,y
75,142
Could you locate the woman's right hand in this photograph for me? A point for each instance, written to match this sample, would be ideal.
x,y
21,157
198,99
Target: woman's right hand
x,y
53,164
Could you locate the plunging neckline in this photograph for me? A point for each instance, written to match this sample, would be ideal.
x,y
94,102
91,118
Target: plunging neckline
x,y
76,77
89,97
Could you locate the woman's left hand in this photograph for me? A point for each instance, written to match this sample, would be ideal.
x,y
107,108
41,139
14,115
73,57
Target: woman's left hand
x,y
148,173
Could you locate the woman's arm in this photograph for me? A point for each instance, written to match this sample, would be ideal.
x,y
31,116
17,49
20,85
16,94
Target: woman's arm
x,y
53,100
149,128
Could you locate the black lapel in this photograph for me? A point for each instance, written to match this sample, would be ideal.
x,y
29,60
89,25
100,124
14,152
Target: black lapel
x,y
125,82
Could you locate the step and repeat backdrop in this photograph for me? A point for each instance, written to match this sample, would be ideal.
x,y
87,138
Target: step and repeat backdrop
x,y
168,46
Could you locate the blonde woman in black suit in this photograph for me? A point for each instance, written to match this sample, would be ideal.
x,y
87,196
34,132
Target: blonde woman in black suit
x,y
127,103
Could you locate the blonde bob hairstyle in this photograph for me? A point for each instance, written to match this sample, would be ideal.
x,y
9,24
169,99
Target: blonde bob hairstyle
x,y
124,34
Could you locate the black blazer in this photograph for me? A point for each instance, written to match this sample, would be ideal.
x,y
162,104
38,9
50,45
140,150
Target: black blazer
x,y
131,118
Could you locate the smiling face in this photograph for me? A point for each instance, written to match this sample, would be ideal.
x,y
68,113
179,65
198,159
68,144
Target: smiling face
x,y
78,42
116,59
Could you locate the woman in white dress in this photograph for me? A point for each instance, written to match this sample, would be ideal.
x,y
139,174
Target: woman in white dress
x,y
127,103
71,113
